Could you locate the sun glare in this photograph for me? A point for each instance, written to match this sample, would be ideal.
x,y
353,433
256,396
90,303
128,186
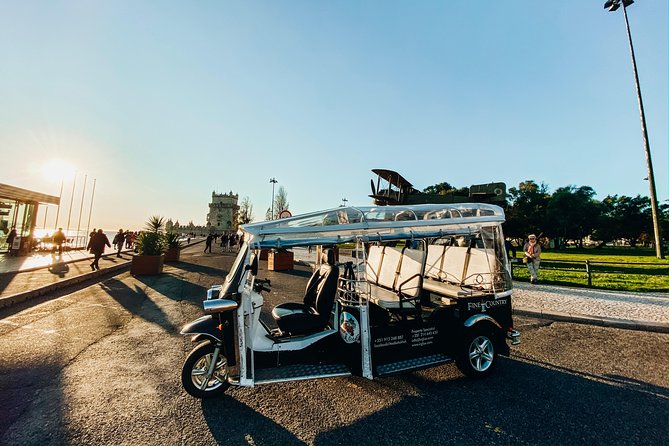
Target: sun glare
x,y
56,170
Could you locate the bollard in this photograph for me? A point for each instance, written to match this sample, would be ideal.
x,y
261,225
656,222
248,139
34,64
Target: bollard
x,y
588,272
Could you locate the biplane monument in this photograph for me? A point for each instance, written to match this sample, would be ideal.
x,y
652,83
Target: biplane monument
x,y
391,188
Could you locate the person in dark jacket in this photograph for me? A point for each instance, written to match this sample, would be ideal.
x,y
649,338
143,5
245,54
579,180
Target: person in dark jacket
x,y
118,241
10,239
96,246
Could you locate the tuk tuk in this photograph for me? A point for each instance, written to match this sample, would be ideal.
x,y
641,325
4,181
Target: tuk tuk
x,y
424,285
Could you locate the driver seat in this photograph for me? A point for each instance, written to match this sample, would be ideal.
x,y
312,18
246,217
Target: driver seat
x,y
313,315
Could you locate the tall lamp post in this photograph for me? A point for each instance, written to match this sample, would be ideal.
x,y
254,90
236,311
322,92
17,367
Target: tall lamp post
x,y
273,181
613,5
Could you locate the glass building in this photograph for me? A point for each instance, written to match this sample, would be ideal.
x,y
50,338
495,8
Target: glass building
x,y
18,209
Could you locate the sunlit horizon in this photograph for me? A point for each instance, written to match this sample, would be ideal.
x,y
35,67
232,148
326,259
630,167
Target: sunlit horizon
x,y
58,170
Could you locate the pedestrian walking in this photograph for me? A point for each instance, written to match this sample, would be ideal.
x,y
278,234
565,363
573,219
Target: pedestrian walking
x,y
96,246
58,239
207,243
128,239
532,257
118,241
10,239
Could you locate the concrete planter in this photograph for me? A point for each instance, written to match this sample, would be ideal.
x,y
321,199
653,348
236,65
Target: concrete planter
x,y
147,265
280,260
173,254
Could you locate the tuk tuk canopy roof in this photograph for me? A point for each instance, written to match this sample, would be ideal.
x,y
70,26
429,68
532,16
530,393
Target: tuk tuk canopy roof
x,y
372,223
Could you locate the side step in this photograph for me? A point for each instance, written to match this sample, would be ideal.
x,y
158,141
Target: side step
x,y
412,364
297,372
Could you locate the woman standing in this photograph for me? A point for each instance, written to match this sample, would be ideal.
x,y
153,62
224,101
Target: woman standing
x,y
532,257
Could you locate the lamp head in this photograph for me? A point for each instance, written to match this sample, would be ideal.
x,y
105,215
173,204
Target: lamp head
x,y
613,5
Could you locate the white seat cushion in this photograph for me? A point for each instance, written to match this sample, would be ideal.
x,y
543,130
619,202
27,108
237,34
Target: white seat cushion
x,y
388,299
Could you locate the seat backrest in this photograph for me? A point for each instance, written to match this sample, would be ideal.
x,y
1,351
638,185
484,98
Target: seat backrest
x,y
389,267
312,288
327,259
453,269
479,267
373,266
434,261
410,276
327,290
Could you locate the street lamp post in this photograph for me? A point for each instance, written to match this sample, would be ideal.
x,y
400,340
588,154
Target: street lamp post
x,y
273,181
613,5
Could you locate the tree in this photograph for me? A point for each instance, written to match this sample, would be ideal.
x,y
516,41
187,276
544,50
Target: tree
x,y
527,211
446,189
245,214
625,218
280,201
572,213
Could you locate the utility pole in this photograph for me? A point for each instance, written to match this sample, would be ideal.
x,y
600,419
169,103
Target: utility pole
x,y
613,5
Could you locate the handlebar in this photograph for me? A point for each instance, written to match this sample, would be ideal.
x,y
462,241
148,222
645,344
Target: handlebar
x,y
262,285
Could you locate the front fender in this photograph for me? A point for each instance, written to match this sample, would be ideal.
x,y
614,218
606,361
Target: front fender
x,y
205,326
481,317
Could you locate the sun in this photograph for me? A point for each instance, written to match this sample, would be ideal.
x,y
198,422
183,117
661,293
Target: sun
x,y
57,169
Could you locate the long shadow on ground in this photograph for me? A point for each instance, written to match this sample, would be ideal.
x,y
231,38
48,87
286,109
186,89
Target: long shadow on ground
x,y
138,303
523,403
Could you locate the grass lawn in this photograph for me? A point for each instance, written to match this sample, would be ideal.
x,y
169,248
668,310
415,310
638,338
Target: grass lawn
x,y
624,269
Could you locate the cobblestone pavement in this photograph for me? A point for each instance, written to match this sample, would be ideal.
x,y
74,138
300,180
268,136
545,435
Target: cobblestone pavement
x,y
650,307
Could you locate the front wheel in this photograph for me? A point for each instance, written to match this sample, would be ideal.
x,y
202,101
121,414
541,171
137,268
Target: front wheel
x,y
195,373
477,356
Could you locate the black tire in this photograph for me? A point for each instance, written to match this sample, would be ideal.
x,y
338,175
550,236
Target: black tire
x,y
193,373
477,352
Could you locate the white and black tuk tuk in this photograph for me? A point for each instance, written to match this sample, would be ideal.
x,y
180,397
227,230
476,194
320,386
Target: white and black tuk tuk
x,y
425,285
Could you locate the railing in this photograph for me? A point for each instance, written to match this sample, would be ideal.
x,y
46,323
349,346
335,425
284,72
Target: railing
x,y
641,276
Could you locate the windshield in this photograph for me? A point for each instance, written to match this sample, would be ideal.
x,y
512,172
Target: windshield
x,y
235,275
235,270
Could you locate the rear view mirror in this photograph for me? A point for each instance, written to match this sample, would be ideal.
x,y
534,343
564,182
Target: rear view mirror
x,y
253,265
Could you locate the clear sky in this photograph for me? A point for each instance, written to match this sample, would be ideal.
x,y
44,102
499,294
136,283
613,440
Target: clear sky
x,y
163,102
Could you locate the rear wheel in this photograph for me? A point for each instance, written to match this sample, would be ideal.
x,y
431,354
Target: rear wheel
x,y
477,355
195,373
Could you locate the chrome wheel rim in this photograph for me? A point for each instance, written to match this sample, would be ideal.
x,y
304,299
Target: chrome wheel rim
x,y
481,353
199,371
